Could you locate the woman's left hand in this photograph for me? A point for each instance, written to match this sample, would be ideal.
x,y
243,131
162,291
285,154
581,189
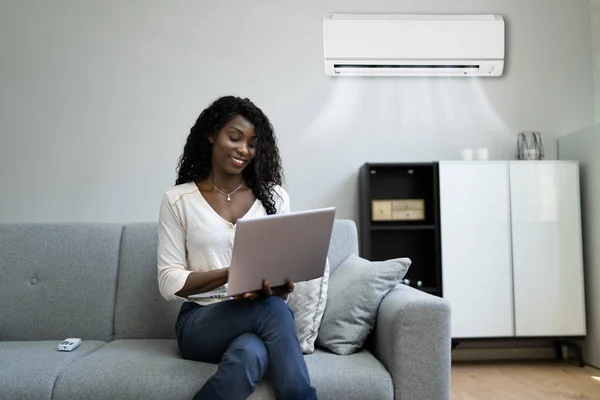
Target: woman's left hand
x,y
279,291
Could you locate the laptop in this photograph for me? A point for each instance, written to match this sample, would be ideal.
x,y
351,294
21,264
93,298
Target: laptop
x,y
279,247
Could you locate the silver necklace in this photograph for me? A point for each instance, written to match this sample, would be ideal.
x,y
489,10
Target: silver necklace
x,y
226,194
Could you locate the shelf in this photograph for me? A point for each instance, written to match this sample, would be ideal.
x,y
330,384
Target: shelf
x,y
402,227
417,239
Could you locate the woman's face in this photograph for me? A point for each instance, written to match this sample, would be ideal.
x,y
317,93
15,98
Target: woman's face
x,y
234,146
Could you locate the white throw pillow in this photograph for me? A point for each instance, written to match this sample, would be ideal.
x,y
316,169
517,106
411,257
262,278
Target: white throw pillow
x,y
307,302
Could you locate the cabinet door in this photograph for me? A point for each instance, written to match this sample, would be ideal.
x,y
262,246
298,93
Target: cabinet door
x,y
475,237
547,248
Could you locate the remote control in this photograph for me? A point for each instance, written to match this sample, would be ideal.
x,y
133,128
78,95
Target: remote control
x,y
69,344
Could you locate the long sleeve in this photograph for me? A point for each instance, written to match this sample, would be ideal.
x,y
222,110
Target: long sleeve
x,y
171,253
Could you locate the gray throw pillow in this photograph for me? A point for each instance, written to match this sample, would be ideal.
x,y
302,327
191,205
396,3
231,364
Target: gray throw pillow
x,y
356,289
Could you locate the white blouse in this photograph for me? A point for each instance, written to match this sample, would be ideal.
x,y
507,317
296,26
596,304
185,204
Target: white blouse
x,y
193,237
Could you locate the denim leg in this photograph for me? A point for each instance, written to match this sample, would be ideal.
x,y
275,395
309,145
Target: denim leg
x,y
206,333
276,326
243,365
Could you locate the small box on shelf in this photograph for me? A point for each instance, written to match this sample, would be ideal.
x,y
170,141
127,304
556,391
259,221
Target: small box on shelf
x,y
398,210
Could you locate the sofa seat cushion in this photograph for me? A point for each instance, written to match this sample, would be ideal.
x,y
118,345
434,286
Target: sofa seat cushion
x,y
28,369
356,376
153,369
133,369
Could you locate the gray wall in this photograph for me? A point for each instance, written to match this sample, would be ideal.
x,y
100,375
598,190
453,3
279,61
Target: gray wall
x,y
595,21
584,146
97,97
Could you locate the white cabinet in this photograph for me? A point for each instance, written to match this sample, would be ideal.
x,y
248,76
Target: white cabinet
x,y
547,249
476,268
511,248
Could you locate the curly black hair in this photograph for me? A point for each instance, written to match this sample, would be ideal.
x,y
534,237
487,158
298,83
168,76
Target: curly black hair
x,y
260,175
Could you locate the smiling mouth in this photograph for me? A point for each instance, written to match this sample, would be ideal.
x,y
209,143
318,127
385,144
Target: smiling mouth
x,y
238,161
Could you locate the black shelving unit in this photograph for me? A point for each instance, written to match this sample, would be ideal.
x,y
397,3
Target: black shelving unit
x,y
420,239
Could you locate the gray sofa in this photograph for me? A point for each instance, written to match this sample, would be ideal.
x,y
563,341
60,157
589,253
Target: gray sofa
x,y
98,282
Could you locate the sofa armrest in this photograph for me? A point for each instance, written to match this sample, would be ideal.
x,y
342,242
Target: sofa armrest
x,y
412,339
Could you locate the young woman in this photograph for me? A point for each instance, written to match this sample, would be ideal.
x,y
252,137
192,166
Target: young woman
x,y
230,169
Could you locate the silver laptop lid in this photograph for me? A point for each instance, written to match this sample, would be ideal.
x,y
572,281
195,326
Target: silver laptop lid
x,y
278,247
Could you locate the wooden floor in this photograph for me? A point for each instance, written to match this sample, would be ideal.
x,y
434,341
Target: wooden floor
x,y
551,380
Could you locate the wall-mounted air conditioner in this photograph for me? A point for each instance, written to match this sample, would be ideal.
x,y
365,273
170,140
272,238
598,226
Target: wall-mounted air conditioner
x,y
413,45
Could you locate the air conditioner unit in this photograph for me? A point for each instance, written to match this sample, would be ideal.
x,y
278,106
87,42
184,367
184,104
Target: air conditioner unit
x,y
413,45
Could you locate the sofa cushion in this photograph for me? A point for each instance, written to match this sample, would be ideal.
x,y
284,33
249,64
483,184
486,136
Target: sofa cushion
x,y
355,292
153,369
358,376
141,312
344,241
28,369
133,369
58,280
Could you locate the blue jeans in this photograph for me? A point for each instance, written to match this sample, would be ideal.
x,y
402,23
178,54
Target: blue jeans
x,y
247,338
